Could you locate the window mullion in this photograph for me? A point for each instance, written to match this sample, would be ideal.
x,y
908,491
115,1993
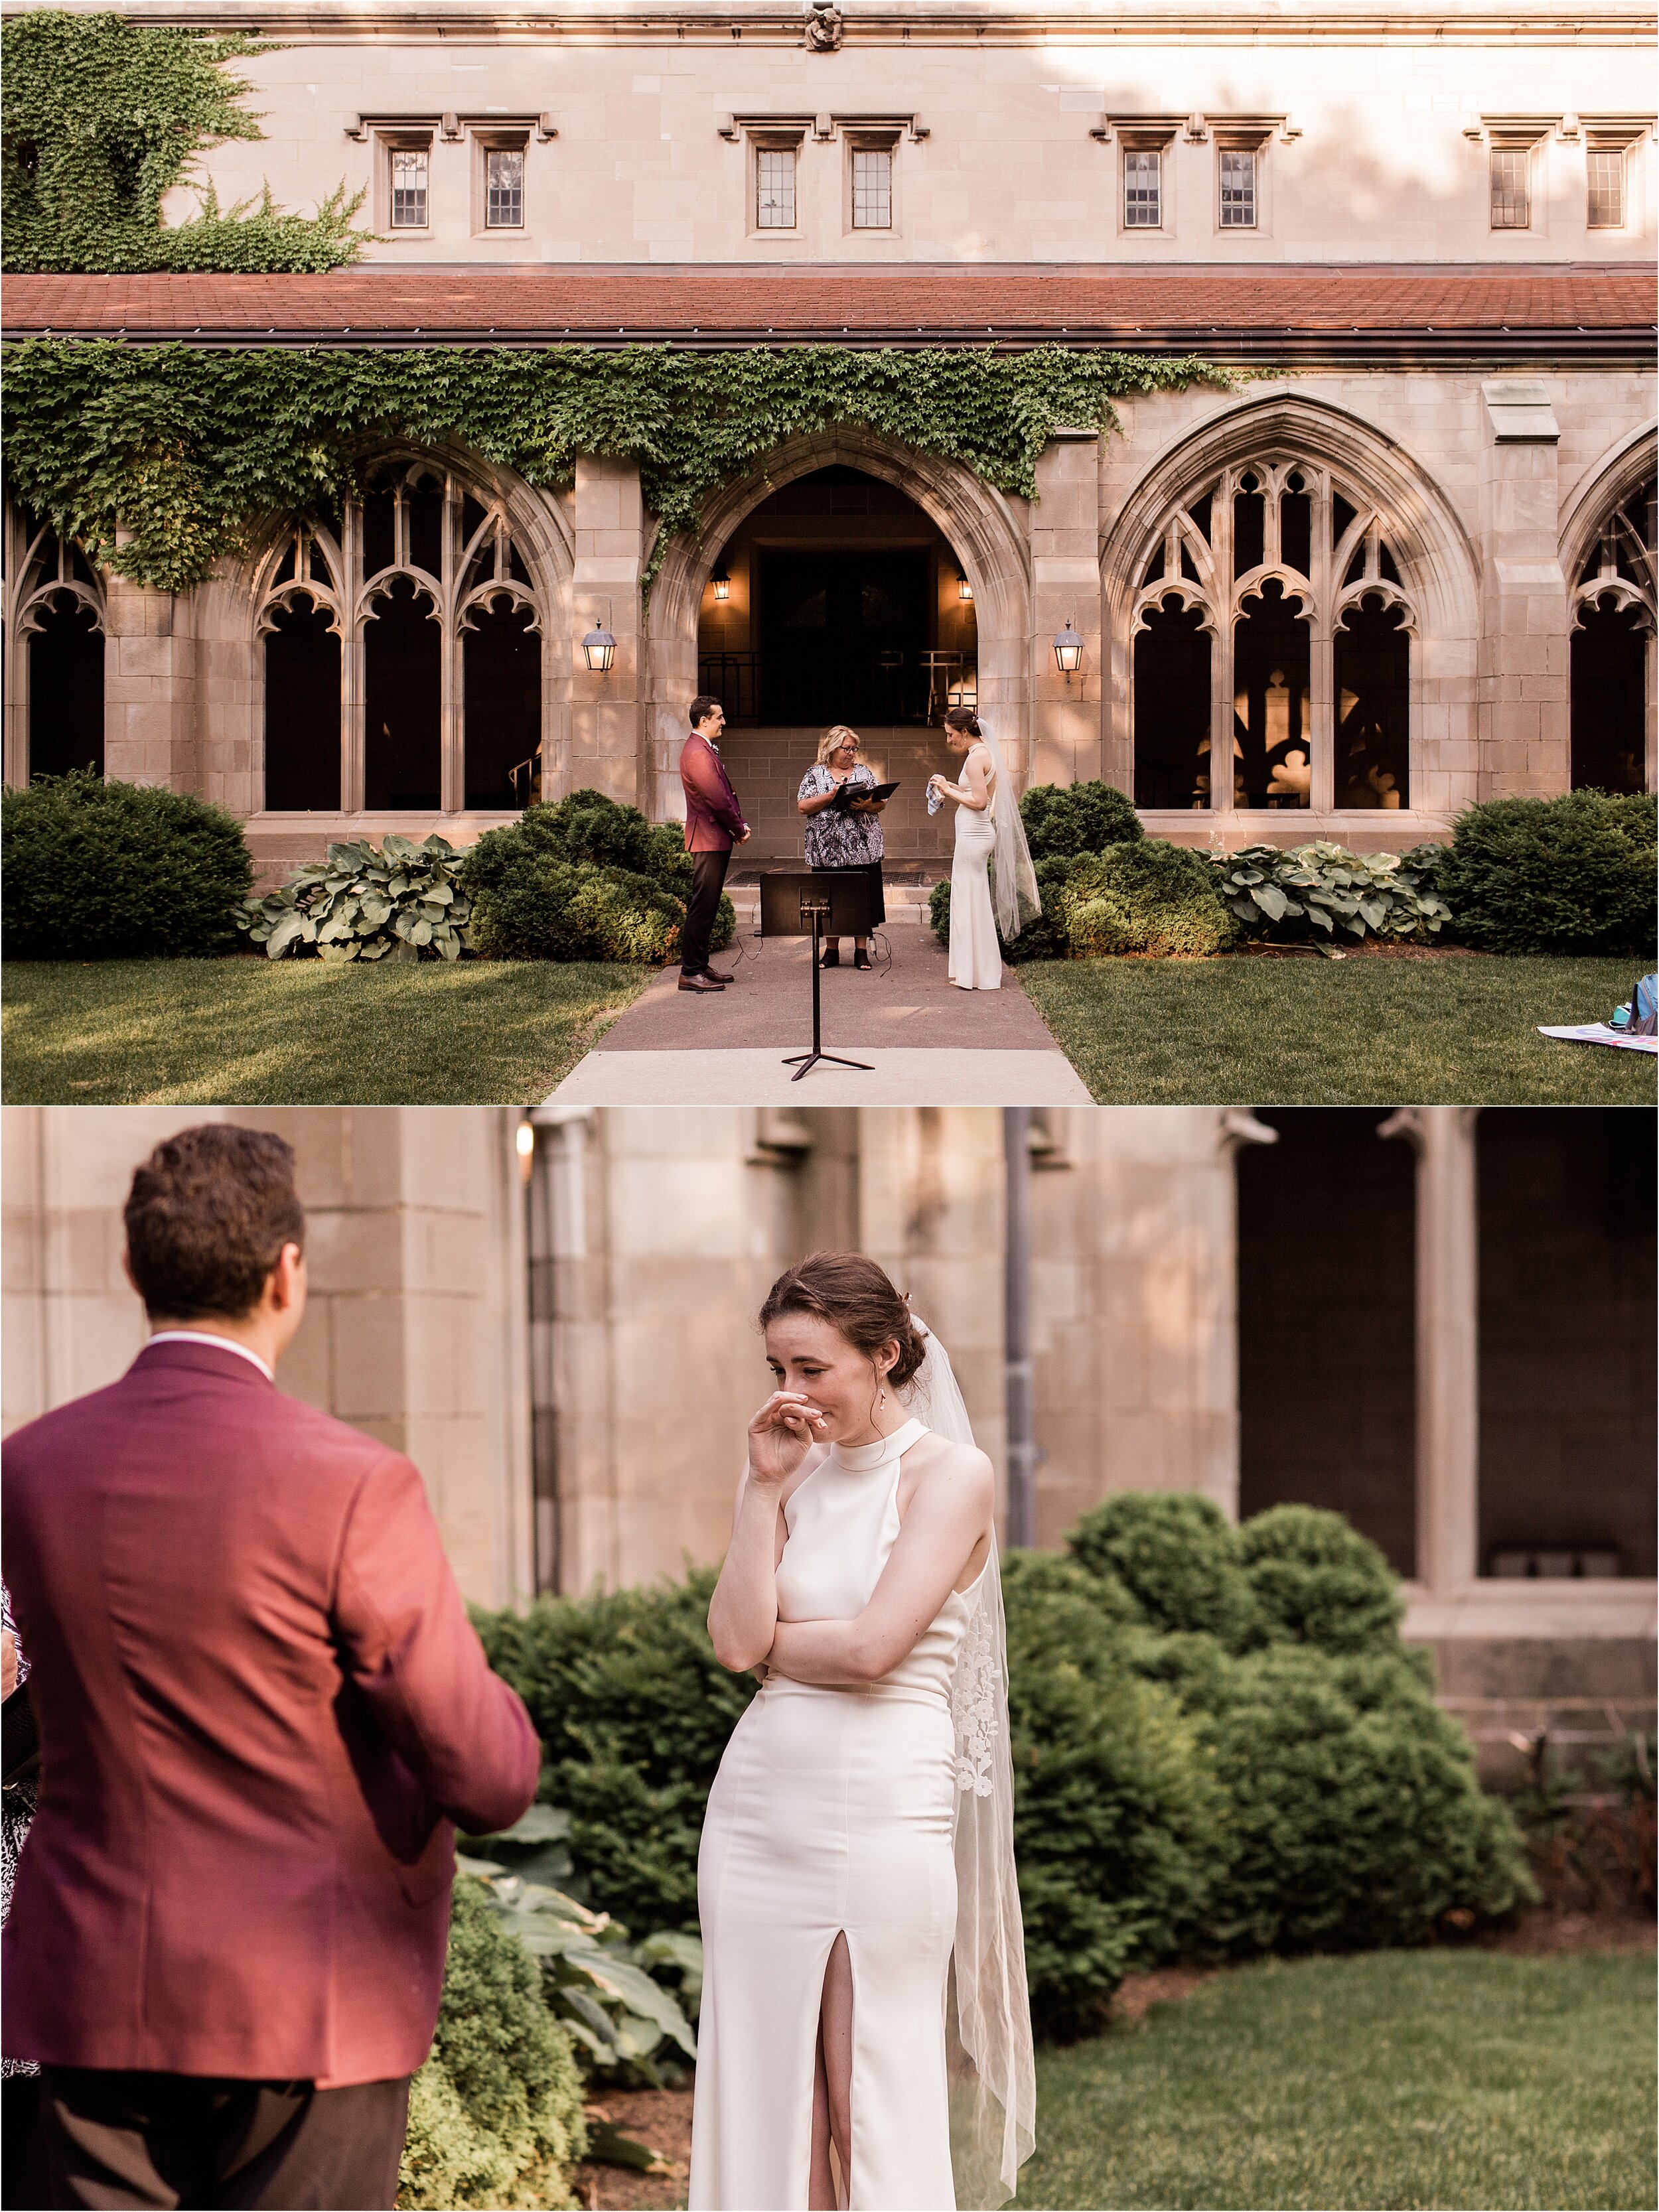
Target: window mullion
x,y
1221,660
452,717
351,662
1322,706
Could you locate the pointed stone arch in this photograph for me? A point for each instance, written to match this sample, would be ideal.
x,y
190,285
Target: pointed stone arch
x,y
982,526
1437,591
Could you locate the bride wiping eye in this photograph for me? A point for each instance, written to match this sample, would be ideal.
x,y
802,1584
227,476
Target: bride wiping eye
x,y
857,1853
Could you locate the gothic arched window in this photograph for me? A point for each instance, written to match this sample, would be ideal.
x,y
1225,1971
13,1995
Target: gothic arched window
x,y
57,628
1612,633
403,652
1272,620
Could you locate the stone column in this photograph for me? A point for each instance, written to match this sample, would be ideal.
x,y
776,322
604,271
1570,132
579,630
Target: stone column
x,y
149,687
1524,677
1448,1343
608,748
1066,728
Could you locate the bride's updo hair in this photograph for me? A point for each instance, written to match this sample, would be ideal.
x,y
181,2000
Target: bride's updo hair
x,y
854,1296
964,720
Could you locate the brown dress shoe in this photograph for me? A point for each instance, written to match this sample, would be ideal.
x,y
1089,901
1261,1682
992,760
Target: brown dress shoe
x,y
715,976
700,983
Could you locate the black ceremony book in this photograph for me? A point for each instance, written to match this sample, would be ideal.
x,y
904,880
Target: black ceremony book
x,y
842,801
20,1740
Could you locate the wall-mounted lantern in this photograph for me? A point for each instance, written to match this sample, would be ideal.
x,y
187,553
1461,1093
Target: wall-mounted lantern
x,y
721,582
601,650
964,589
1068,651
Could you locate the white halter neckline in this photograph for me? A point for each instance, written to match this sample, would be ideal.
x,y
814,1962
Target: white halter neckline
x,y
862,1459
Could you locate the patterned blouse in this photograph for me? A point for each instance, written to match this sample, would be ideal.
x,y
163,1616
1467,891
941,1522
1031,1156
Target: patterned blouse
x,y
835,839
15,1815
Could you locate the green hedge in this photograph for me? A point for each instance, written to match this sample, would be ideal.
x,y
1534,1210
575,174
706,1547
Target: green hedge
x,y
105,871
585,879
1221,1747
1573,874
1065,818
1148,896
496,2113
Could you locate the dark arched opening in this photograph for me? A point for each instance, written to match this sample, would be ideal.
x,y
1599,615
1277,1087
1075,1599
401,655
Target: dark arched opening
x,y
302,710
66,689
401,700
1272,672
1609,697
1172,708
503,692
1372,675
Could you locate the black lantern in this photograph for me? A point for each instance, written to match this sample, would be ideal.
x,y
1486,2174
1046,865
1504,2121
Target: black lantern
x,y
721,582
601,650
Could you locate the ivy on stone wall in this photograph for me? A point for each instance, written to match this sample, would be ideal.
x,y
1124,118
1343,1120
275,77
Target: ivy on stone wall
x,y
102,117
162,459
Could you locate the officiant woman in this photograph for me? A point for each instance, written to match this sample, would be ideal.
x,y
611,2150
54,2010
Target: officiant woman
x,y
843,836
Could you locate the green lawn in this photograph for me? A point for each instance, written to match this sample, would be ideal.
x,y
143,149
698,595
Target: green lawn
x,y
1431,2078
247,1032
1349,1032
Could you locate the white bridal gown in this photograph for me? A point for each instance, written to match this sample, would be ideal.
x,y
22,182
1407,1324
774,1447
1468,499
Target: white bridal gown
x,y
832,1812
976,958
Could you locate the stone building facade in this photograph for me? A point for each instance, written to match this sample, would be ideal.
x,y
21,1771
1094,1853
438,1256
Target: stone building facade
x,y
1405,562
1438,1322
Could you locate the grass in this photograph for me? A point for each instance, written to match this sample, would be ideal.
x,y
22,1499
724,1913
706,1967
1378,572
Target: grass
x,y
1433,2078
1353,1032
247,1032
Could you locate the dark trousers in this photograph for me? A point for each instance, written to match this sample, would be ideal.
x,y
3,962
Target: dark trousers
x,y
707,881
22,2150
171,2140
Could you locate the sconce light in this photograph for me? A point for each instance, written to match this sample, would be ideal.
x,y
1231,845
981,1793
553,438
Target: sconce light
x,y
964,589
1068,651
721,582
601,650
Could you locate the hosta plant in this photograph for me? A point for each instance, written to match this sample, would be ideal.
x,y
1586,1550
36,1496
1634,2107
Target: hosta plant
x,y
601,1986
404,902
1321,890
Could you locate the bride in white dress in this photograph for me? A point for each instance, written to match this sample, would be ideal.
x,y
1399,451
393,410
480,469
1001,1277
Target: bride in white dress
x,y
990,854
864,2038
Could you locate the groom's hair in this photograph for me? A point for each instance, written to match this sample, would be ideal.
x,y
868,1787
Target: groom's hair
x,y
207,1218
857,1299
702,706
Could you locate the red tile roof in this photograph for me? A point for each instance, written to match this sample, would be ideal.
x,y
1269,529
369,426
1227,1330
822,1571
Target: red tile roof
x,y
1258,311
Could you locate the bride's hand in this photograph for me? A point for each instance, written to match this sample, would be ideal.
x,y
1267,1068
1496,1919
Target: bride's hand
x,y
780,1435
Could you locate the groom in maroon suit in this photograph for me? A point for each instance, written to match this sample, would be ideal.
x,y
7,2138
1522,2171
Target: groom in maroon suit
x,y
262,1711
713,824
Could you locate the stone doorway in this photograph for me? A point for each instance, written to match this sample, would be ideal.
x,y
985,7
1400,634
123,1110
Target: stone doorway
x,y
838,599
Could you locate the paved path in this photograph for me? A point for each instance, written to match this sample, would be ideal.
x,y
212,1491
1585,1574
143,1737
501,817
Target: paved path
x,y
931,1044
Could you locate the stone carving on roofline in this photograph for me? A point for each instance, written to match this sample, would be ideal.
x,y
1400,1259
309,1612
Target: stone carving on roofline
x,y
825,29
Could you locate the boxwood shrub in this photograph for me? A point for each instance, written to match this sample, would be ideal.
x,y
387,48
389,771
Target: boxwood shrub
x,y
1063,818
108,871
586,879
1572,874
1221,1747
496,2113
1145,896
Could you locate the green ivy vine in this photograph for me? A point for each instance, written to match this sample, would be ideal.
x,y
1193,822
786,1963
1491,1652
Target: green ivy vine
x,y
102,117
162,459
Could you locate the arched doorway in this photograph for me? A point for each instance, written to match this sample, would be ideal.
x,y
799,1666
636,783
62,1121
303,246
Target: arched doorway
x,y
837,600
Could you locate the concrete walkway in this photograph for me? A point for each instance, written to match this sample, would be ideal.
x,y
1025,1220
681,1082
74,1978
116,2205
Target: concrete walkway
x,y
929,1044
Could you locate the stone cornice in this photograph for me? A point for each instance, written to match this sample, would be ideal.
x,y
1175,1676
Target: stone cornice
x,y
765,23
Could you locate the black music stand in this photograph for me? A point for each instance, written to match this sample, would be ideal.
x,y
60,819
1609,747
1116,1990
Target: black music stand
x,y
813,905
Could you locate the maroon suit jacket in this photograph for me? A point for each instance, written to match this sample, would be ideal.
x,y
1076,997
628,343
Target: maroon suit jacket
x,y
712,816
261,1707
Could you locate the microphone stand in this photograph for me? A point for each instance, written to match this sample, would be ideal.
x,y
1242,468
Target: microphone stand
x,y
817,907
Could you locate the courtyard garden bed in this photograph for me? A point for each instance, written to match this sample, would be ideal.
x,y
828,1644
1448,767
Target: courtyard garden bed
x,y
253,1032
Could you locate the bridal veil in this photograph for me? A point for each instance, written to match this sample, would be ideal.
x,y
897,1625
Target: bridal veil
x,y
988,2014
1014,879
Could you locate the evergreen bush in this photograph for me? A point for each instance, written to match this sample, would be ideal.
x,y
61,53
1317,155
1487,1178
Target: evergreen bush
x,y
1220,1745
584,880
1572,874
108,871
1063,818
1147,896
496,2113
